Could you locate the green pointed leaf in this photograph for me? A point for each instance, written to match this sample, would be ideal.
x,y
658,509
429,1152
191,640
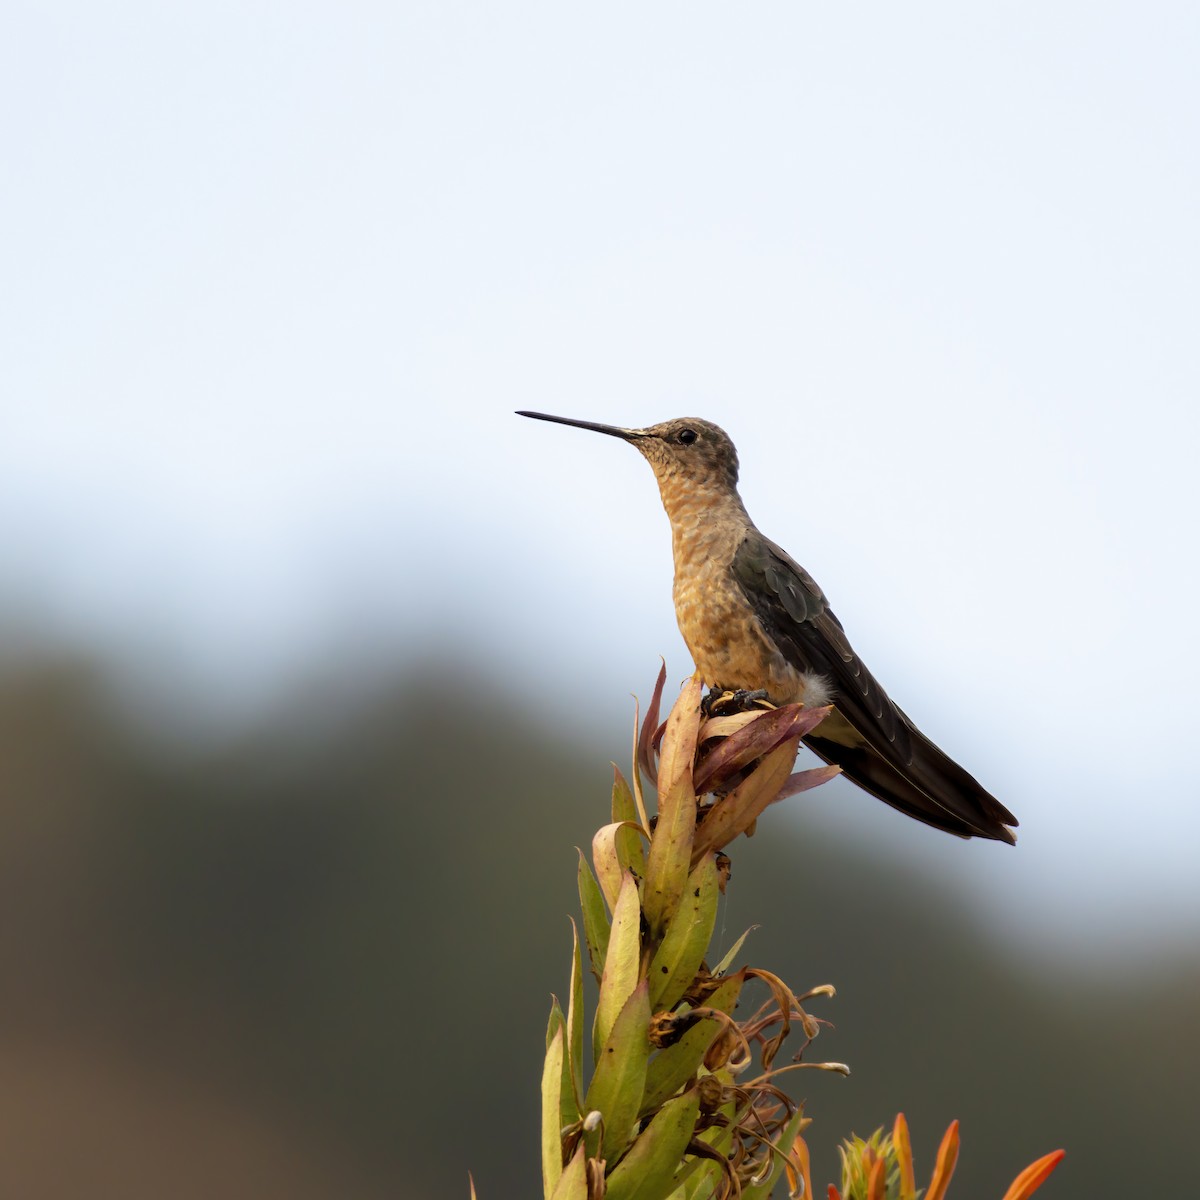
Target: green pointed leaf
x,y
620,1079
552,1122
595,917
648,1171
696,1175
623,807
685,942
568,1104
705,1175
574,1037
669,859
700,1179
556,1021
672,1067
607,862
617,848
719,1138
572,1183
732,953
760,1191
621,963
631,848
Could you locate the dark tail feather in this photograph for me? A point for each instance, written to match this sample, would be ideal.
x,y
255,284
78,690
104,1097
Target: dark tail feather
x,y
932,788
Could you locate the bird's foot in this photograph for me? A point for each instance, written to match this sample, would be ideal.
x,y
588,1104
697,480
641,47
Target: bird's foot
x,y
725,702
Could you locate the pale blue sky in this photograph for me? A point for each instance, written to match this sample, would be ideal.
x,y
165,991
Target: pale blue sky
x,y
276,276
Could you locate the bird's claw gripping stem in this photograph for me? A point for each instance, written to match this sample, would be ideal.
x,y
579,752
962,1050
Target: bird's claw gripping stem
x,y
725,703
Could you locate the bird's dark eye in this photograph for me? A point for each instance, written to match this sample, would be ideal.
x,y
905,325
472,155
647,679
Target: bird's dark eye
x,y
688,436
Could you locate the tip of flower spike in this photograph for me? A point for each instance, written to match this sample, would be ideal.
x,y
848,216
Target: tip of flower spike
x,y
1034,1176
904,1159
943,1169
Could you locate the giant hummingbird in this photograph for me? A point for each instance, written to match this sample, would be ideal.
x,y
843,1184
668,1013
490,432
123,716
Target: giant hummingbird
x,y
755,621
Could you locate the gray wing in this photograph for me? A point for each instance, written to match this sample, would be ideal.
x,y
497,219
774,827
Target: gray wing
x,y
795,613
874,743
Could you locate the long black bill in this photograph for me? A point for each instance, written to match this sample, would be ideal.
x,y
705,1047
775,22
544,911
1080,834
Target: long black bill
x,y
612,430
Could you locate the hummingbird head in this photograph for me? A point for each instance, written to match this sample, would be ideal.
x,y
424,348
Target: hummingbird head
x,y
685,453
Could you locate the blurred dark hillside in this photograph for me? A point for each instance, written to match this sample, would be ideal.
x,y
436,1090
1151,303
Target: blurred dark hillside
x,y
316,962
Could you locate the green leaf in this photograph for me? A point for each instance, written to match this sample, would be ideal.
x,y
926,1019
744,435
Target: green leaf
x,y
595,917
732,953
760,1191
686,939
647,1172
568,1104
607,862
623,807
621,963
574,1041
631,848
669,860
719,1138
620,1079
572,1183
696,1175
617,848
673,1066
557,1021
552,1122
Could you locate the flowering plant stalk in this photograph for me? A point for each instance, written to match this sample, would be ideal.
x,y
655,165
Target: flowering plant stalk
x,y
671,1097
